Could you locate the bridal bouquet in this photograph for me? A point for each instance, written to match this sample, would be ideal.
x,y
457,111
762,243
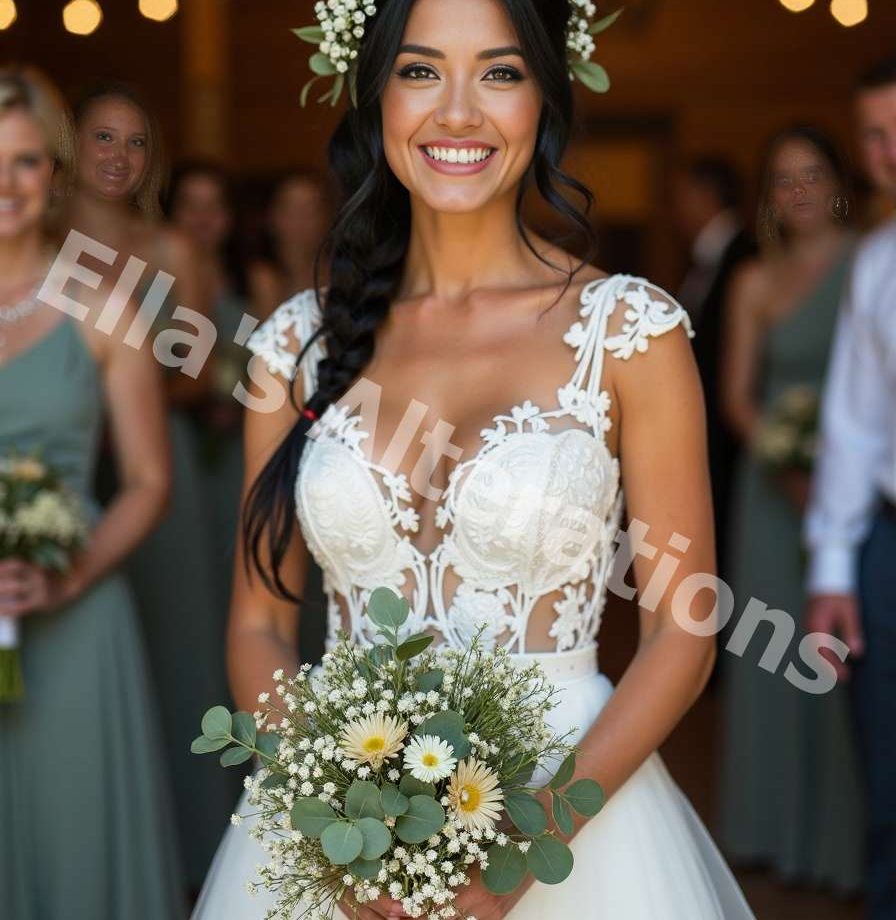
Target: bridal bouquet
x,y
788,436
396,770
41,522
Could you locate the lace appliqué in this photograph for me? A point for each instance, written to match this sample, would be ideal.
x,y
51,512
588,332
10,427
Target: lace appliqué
x,y
294,321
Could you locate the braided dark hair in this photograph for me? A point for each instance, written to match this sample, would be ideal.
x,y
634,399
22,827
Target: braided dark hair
x,y
367,244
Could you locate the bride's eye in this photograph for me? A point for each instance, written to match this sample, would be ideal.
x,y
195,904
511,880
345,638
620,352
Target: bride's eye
x,y
407,71
506,74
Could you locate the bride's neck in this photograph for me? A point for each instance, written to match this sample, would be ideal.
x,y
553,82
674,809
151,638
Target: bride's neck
x,y
450,255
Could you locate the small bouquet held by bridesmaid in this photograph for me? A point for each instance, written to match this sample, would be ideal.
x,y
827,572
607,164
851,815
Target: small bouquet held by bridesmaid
x,y
43,523
395,771
788,437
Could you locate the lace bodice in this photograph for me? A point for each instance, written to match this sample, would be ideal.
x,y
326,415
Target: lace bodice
x,y
532,515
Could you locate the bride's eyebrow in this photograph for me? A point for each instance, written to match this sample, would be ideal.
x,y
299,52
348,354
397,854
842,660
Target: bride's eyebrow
x,y
482,56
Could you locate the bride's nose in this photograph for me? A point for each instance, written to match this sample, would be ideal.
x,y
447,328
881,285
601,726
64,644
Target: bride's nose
x,y
459,108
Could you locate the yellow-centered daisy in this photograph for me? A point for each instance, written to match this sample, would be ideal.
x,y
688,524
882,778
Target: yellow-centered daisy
x,y
373,739
429,758
474,795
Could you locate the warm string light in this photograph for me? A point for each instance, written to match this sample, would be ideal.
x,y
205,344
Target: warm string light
x,y
158,10
82,17
849,12
846,12
7,13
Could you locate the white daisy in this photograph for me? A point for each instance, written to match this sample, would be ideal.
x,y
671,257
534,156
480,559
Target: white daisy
x,y
429,758
373,739
474,794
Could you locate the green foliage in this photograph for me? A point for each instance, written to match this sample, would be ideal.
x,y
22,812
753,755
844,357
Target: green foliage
x,y
244,729
394,802
506,869
562,814
413,646
363,801
429,680
527,813
203,745
342,843
321,65
365,868
311,816
592,75
424,817
377,838
217,723
312,34
586,797
603,24
449,726
549,860
564,772
410,786
234,756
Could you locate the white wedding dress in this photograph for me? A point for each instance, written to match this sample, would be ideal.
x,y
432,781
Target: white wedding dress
x,y
646,855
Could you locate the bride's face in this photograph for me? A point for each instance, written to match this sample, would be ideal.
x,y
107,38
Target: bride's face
x,y
461,108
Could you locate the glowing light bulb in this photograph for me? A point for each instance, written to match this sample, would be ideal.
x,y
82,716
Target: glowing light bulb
x,y
7,13
849,12
82,16
796,6
159,10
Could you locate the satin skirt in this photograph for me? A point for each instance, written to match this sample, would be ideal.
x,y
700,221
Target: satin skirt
x,y
645,856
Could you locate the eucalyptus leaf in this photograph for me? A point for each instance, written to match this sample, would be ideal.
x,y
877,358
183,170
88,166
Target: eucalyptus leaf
x,y
387,609
592,75
603,24
413,647
235,756
243,730
506,869
314,35
367,869
394,802
342,843
549,860
217,722
274,781
363,801
268,745
321,65
410,785
449,726
527,813
429,680
311,816
377,837
204,745
424,817
564,772
562,814
586,797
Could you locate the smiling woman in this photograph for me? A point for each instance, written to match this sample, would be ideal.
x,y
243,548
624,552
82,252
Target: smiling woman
x,y
441,296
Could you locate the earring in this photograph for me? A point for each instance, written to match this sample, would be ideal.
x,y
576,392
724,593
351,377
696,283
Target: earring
x,y
840,208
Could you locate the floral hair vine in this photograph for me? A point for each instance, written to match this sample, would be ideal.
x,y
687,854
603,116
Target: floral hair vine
x,y
340,31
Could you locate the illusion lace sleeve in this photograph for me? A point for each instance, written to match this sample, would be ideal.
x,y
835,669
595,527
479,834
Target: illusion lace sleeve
x,y
280,338
649,312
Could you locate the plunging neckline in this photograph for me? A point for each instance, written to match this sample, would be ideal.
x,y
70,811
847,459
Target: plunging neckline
x,y
348,434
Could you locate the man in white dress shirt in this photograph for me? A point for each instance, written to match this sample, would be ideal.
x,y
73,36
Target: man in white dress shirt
x,y
851,523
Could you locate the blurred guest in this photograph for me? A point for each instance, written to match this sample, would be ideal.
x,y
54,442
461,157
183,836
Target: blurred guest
x,y
851,526
201,206
791,792
116,202
86,826
297,221
707,198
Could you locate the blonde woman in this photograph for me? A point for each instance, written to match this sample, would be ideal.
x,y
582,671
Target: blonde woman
x,y
116,202
85,820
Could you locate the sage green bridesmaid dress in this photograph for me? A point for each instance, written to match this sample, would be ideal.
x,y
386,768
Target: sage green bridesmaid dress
x,y
176,583
86,824
791,792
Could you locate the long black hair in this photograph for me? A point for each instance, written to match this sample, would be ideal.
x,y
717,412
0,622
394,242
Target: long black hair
x,y
368,241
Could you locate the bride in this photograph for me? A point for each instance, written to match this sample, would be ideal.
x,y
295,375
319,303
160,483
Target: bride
x,y
507,393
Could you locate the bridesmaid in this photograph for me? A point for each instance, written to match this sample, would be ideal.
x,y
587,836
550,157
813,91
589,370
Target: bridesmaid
x,y
85,820
790,791
116,201
200,205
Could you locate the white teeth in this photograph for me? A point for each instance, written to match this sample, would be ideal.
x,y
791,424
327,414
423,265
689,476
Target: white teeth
x,y
465,155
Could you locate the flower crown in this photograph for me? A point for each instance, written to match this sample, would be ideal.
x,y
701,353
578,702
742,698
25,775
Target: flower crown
x,y
340,31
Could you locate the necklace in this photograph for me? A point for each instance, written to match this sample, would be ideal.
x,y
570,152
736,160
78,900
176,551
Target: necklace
x,y
12,313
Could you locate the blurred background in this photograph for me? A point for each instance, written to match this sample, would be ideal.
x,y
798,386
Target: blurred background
x,y
700,88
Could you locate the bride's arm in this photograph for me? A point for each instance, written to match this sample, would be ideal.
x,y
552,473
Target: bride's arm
x,y
263,628
665,476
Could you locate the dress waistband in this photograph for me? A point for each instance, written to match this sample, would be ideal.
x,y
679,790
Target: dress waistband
x,y
580,662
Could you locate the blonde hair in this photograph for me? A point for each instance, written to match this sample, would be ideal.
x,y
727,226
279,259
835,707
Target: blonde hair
x,y
26,89
147,198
